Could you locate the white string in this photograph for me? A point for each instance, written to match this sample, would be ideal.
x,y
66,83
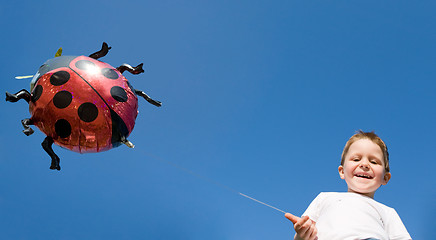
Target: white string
x,y
262,203
212,181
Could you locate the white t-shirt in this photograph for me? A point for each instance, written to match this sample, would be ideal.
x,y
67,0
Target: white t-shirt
x,y
351,216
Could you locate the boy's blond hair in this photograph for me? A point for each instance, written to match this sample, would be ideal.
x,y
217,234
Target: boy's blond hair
x,y
374,138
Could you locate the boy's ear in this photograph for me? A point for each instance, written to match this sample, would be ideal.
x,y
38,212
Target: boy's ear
x,y
341,171
386,178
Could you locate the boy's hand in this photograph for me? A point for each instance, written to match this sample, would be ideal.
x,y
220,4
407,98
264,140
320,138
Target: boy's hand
x,y
304,227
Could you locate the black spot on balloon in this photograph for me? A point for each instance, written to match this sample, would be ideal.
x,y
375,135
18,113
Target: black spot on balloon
x,y
109,73
88,112
119,94
63,128
62,99
37,92
84,64
59,78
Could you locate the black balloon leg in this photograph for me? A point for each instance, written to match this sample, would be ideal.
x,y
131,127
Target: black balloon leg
x,y
22,94
27,130
146,97
47,145
133,70
102,52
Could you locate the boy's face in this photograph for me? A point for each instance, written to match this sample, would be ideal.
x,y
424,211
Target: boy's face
x,y
364,168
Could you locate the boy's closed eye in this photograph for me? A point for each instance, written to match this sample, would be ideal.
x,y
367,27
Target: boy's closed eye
x,y
372,161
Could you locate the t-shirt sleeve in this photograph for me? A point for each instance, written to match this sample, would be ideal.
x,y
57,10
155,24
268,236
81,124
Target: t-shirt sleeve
x,y
313,210
395,227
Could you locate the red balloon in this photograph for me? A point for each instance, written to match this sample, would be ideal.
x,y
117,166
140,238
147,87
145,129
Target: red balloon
x,y
86,106
82,104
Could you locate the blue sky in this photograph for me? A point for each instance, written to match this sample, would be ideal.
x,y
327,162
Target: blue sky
x,y
259,96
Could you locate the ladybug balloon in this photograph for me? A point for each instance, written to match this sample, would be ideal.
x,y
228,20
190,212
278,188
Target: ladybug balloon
x,y
82,104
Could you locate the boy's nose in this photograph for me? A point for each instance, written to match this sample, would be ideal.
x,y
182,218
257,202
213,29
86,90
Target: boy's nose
x,y
364,165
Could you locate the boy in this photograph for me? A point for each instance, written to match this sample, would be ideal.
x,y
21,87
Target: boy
x,y
354,214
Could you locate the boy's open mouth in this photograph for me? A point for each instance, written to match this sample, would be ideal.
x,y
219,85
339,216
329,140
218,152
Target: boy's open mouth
x,y
362,175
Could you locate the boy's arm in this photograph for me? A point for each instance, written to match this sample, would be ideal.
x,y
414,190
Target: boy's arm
x,y
304,227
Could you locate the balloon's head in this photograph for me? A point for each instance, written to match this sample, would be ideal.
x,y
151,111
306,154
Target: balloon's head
x,y
51,64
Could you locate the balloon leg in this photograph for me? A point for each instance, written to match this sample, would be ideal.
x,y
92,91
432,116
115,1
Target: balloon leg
x,y
146,97
47,145
27,130
103,51
22,94
133,70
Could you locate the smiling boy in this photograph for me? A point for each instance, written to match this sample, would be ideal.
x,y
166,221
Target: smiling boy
x,y
354,214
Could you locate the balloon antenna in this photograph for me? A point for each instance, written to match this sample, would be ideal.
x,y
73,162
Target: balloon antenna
x,y
59,52
24,77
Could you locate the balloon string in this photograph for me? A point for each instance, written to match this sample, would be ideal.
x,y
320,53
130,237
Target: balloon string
x,y
212,181
262,203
